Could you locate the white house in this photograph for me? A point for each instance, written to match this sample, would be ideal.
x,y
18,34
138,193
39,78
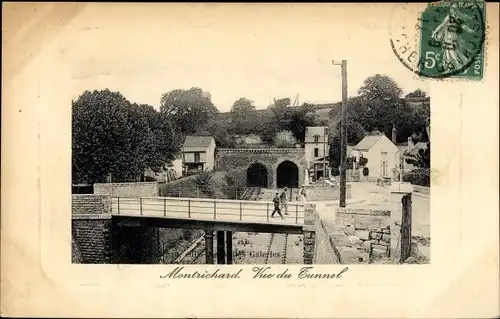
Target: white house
x,y
316,150
198,153
382,154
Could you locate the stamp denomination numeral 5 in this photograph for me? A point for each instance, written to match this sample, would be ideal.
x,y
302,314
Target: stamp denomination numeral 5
x,y
430,59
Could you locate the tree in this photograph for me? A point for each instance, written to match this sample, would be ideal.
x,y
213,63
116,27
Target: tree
x,y
355,133
219,129
334,151
286,118
243,116
380,87
422,159
300,118
285,139
188,109
281,103
241,108
418,93
268,128
109,137
380,106
163,140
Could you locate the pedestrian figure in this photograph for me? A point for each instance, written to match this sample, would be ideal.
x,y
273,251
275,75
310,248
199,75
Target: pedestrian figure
x,y
284,200
301,194
277,209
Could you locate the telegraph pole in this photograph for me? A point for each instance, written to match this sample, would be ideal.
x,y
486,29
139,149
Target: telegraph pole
x,y
343,133
324,152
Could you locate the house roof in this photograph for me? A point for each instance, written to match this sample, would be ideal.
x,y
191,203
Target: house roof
x,y
367,142
315,130
403,147
198,141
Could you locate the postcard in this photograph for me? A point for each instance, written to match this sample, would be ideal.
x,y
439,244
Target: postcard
x,y
250,160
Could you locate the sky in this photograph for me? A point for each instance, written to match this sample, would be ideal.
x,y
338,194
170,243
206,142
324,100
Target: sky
x,y
259,52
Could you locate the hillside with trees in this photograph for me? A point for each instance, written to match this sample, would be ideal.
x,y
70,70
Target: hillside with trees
x,y
112,135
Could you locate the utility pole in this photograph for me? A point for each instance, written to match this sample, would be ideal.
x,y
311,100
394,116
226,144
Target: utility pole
x,y
343,133
324,152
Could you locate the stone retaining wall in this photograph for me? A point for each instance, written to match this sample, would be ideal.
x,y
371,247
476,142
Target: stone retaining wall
x,y
325,193
325,252
309,234
148,189
90,204
362,236
93,240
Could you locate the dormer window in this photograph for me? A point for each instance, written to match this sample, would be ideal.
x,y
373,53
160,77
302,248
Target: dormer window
x,y
316,138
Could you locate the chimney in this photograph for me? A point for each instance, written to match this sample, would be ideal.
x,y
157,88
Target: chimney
x,y
410,144
394,134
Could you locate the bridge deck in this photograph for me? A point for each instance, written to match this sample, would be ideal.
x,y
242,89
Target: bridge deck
x,y
215,210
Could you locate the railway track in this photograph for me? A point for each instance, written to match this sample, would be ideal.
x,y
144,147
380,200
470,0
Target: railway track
x,y
194,253
277,249
280,249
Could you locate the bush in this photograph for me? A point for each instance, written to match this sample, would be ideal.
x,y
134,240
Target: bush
x,y
366,171
284,139
363,161
420,176
236,177
335,171
203,178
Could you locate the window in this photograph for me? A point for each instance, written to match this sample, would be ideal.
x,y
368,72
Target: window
x,y
196,157
316,152
384,156
316,138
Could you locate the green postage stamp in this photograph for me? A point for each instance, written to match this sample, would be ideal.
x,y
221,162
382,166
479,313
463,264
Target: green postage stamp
x,y
448,39
452,39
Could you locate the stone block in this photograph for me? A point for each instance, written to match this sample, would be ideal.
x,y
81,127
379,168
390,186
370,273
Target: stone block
x,y
374,241
363,234
359,225
386,238
377,236
367,246
308,241
353,256
379,247
383,243
378,253
354,240
349,230
340,239
386,231
378,212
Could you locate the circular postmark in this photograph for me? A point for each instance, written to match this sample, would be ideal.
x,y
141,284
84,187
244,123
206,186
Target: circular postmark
x,y
440,39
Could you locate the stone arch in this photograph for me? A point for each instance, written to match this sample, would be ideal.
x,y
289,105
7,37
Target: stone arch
x,y
257,174
288,174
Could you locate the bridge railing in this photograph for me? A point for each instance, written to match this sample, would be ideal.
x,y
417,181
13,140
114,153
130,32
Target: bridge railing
x,y
197,208
222,192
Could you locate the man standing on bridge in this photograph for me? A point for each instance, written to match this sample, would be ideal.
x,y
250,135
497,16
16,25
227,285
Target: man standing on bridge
x,y
284,200
276,201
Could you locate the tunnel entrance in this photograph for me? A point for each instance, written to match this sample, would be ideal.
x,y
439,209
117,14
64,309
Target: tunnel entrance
x,y
288,175
257,175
